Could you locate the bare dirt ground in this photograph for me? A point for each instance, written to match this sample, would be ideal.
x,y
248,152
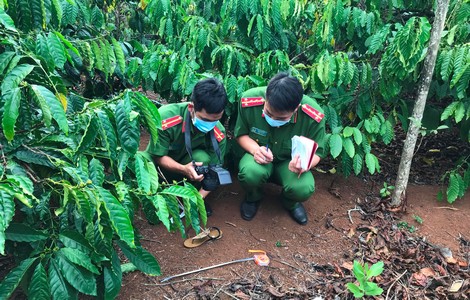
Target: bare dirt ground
x,y
315,260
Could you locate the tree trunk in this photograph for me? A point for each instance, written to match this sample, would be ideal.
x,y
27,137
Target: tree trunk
x,y
423,89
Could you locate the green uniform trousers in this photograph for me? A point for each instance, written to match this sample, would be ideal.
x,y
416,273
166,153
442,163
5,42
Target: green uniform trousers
x,y
294,189
199,155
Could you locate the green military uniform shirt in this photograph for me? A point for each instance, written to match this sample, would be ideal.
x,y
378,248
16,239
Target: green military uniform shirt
x,y
171,136
308,121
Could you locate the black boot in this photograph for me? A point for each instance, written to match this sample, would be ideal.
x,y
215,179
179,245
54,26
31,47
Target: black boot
x,y
299,214
248,210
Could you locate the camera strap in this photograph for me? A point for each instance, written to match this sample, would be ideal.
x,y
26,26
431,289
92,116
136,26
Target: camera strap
x,y
187,139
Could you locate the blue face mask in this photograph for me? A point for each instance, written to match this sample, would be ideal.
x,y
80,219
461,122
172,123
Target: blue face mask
x,y
274,123
203,126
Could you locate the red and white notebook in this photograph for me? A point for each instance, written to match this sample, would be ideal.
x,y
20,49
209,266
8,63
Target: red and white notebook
x,y
305,148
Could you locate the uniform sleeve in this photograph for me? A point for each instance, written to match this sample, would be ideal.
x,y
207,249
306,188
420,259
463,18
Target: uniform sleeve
x,y
163,144
317,133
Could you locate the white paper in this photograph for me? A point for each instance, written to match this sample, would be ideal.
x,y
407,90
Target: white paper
x,y
305,148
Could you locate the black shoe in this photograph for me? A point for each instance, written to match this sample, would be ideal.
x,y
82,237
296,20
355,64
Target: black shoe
x,y
248,210
299,214
208,209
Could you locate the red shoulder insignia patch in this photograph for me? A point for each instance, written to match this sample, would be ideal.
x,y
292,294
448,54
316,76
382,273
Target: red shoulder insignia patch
x,y
219,135
170,122
252,101
312,112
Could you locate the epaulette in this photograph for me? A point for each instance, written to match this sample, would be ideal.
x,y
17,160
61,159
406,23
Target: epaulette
x,y
312,112
219,135
172,121
252,101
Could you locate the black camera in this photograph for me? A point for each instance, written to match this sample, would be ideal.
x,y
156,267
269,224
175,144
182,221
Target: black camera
x,y
214,175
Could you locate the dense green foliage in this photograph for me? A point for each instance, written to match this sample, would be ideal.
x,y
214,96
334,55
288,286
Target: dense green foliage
x,y
71,174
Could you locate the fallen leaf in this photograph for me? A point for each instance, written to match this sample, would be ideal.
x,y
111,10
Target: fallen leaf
x,y
241,295
347,265
451,260
275,292
428,272
441,270
463,264
338,270
420,279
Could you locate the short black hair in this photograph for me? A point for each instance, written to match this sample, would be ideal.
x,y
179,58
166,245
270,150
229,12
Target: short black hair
x,y
284,92
209,94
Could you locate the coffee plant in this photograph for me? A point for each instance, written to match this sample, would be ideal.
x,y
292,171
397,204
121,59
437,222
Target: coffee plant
x,y
72,112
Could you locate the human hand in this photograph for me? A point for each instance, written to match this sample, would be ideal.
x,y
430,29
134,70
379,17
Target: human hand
x,y
295,166
191,173
263,156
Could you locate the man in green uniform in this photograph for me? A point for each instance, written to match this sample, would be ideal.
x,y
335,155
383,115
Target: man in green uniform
x,y
268,118
201,116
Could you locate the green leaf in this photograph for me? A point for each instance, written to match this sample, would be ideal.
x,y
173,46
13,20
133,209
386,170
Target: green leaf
x,y
7,210
370,162
39,285
13,279
112,277
376,269
57,50
449,110
118,216
7,21
96,170
98,55
121,60
81,279
46,112
142,175
83,204
357,136
355,290
349,147
127,129
459,112
80,258
60,289
174,209
66,42
372,289
150,113
89,136
5,59
75,240
348,131
57,110
387,133
11,109
453,188
141,258
15,77
358,271
108,134
336,145
20,232
162,210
